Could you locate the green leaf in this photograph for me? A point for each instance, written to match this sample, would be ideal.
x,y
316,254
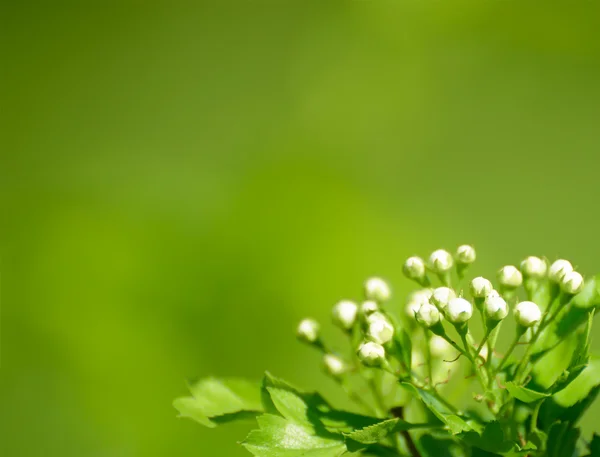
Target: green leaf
x,y
589,297
562,440
455,423
581,386
594,446
375,433
280,437
524,394
491,440
216,401
434,446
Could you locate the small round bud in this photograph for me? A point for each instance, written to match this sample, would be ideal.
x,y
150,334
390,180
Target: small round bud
x,y
334,366
459,310
495,307
534,267
559,269
465,254
481,287
527,314
414,268
308,331
439,346
368,307
344,314
442,296
428,315
380,330
377,289
412,308
371,354
440,261
510,277
572,283
420,296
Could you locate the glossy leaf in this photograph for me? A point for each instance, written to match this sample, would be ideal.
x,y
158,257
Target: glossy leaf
x,y
216,401
280,437
524,394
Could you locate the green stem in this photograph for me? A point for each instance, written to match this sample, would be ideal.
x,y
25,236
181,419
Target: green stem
x,y
463,337
511,348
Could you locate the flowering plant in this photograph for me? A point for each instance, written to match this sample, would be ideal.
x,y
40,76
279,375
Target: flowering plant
x,y
432,380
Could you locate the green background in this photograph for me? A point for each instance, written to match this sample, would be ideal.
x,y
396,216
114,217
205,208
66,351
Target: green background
x,y
181,184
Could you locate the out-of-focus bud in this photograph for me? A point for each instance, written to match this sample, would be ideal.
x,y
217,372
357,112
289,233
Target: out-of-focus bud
x,y
465,254
481,287
428,315
412,308
495,307
414,268
377,289
442,296
380,330
371,354
344,314
510,277
527,314
334,366
459,310
369,307
308,331
559,269
440,261
439,346
534,267
572,283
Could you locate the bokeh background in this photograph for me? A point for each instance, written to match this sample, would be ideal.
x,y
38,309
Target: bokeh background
x,y
182,183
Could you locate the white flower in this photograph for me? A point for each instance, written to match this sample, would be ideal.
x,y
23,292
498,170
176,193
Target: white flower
x,y
380,330
495,307
377,289
442,296
371,354
334,366
559,269
534,267
527,314
510,276
459,310
439,346
414,268
344,314
481,287
308,331
428,315
572,283
368,307
440,261
465,254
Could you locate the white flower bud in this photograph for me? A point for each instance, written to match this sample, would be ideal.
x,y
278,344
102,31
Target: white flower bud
x,y
481,287
334,366
559,269
440,261
484,352
420,296
527,314
428,315
439,346
534,267
380,330
459,310
368,307
412,308
414,268
495,307
509,276
344,314
465,254
371,354
442,296
377,289
572,283
308,331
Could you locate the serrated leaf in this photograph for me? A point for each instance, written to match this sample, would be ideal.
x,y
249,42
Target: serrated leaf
x,y
455,423
524,394
376,433
280,437
216,401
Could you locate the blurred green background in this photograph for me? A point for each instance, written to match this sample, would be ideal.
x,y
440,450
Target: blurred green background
x,y
181,184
